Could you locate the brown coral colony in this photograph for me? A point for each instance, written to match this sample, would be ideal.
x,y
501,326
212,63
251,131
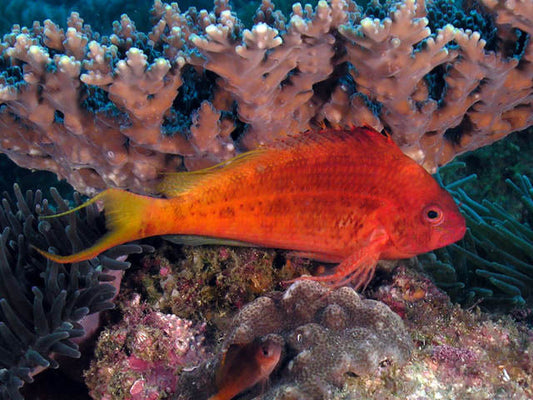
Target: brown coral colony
x,y
107,111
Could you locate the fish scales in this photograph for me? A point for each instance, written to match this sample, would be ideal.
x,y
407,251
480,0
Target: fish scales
x,y
348,196
305,228
324,189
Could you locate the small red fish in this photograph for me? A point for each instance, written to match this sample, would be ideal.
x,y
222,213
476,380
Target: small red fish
x,y
348,196
243,366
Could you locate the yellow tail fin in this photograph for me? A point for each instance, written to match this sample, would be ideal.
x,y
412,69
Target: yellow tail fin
x,y
126,216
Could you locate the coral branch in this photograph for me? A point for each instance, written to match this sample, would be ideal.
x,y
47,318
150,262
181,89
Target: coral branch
x,y
122,109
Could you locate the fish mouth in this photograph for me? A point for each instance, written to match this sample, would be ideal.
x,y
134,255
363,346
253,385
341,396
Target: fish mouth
x,y
452,233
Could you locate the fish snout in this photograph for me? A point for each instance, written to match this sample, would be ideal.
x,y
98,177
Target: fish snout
x,y
452,230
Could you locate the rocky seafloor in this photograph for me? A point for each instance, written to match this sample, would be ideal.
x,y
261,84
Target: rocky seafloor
x,y
401,339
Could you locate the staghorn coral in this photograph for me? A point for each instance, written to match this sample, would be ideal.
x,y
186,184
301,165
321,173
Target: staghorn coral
x,y
119,110
42,303
327,335
493,264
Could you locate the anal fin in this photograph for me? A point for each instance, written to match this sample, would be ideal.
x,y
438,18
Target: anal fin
x,y
195,240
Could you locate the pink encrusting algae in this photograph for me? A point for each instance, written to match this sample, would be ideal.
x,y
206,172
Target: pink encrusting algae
x,y
348,196
140,358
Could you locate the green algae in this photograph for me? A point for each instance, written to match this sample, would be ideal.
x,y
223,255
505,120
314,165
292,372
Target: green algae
x,y
211,282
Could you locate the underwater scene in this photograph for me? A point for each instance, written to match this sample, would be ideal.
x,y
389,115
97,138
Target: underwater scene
x,y
246,199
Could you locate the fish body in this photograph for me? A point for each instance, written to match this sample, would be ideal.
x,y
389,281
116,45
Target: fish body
x,y
243,366
348,196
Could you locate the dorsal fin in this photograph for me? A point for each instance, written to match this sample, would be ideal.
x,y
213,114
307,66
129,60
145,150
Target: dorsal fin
x,y
174,184
331,137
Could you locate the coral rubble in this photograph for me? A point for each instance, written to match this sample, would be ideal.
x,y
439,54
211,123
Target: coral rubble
x,y
140,358
211,282
459,354
327,335
119,110
42,304
335,345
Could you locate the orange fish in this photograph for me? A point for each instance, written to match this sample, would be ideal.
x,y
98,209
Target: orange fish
x,y
243,366
348,196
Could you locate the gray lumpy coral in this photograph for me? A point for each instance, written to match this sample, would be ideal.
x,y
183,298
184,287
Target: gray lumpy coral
x,y
327,335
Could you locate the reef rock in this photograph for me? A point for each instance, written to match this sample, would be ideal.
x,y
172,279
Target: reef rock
x,y
328,336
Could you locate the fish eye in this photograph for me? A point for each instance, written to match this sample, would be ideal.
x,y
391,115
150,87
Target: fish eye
x,y
433,215
266,350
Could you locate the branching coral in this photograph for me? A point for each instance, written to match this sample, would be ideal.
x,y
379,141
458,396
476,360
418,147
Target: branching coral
x,y
494,262
120,110
327,336
42,303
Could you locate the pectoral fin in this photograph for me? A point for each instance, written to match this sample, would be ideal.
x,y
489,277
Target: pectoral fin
x,y
359,267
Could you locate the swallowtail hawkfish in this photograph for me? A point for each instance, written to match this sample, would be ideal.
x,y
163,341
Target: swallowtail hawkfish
x,y
339,196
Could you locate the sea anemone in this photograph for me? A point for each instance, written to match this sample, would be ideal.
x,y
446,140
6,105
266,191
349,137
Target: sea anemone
x,y
42,302
493,264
